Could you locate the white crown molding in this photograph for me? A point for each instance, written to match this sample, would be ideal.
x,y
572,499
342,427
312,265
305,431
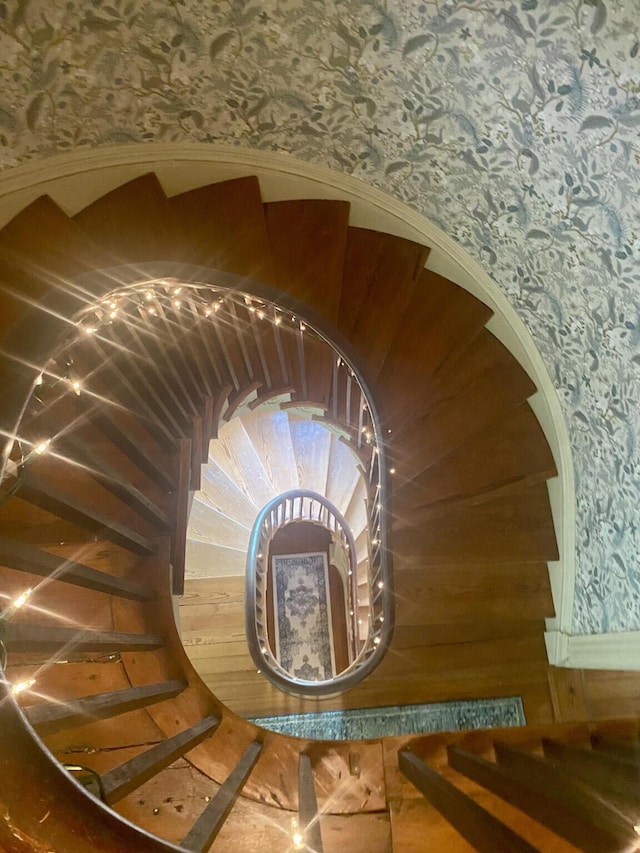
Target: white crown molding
x,y
595,651
75,179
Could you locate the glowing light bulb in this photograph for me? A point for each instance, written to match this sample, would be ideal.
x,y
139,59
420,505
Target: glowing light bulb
x,y
277,320
113,314
376,641
302,327
217,306
296,836
21,600
207,312
76,387
89,330
260,315
152,311
380,584
177,290
176,302
252,309
42,447
113,305
148,296
392,470
22,686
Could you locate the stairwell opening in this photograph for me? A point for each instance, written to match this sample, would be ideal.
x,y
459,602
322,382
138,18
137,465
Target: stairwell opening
x,y
246,355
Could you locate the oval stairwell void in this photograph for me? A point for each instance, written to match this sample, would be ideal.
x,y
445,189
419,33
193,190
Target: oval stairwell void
x,y
116,380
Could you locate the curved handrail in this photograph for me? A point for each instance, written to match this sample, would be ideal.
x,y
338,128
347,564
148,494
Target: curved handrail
x,y
379,631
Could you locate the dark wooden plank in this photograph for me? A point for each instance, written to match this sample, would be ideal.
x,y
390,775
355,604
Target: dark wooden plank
x,y
111,380
220,402
196,453
511,452
439,322
308,815
134,222
120,781
209,824
73,447
239,399
626,750
225,228
380,275
308,240
179,539
512,528
481,390
149,463
481,829
50,718
607,774
151,371
207,428
567,809
37,491
26,558
47,638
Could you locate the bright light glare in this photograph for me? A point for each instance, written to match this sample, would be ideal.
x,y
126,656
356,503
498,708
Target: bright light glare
x,y
22,685
21,599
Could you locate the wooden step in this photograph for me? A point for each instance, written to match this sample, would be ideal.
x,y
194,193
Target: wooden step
x,y
125,778
480,390
207,524
225,229
516,528
80,452
312,448
510,453
205,560
308,240
237,456
381,272
26,639
225,495
486,592
49,719
439,322
131,439
134,222
26,558
206,828
36,490
270,434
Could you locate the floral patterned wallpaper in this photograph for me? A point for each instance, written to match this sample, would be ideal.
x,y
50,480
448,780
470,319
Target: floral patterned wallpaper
x,y
513,125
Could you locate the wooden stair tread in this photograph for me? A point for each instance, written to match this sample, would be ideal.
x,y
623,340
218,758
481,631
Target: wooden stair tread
x,y
135,222
225,229
510,452
308,239
488,388
381,272
513,528
431,594
439,323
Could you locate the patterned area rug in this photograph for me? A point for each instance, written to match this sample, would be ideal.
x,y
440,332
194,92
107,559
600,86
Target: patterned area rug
x,y
400,719
302,611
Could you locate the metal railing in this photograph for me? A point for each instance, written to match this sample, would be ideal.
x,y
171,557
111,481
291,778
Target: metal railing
x,y
304,505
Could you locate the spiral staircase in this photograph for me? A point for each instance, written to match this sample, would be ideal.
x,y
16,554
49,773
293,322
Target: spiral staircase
x,y
109,410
